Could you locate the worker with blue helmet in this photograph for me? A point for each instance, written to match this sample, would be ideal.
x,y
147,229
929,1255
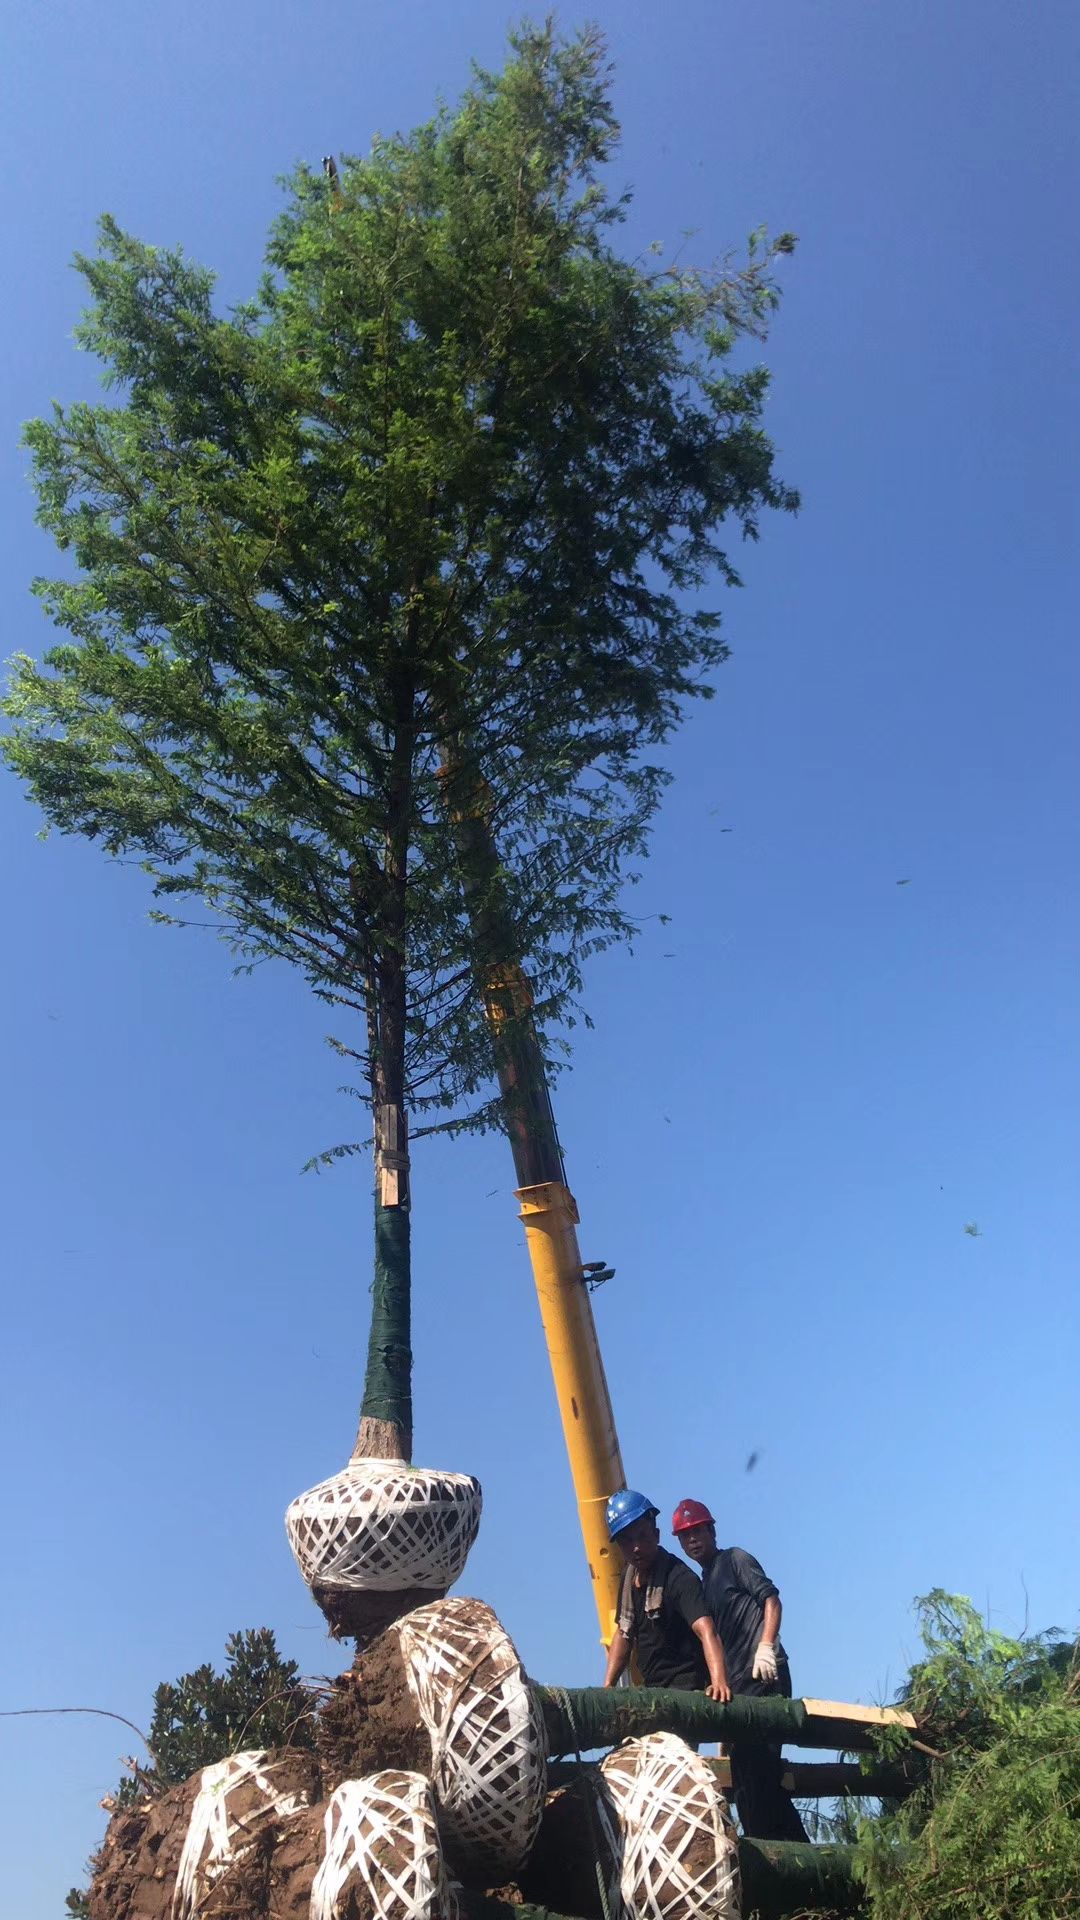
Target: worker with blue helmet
x,y
624,1508
661,1614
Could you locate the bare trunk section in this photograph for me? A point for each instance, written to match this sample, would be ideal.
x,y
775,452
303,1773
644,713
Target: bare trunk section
x,y
380,1440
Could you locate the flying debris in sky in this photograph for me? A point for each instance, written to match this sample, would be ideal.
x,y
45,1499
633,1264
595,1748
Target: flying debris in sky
x,y
972,1227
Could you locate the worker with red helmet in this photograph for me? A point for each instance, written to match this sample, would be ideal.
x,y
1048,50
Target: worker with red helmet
x,y
661,1614
745,1609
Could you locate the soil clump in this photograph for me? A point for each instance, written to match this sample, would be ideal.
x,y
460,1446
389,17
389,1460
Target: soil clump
x,y
352,1614
136,1865
371,1720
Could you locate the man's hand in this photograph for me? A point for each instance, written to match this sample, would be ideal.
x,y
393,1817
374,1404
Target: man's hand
x,y
717,1688
765,1667
618,1658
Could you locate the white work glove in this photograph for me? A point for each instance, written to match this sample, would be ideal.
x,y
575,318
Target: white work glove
x,y
765,1662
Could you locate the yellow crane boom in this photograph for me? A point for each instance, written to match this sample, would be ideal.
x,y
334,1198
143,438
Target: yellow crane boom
x,y
550,1215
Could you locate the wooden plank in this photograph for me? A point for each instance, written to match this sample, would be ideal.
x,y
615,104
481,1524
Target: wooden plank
x,y
392,1157
859,1715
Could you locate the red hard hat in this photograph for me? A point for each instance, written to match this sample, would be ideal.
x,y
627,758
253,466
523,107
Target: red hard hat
x,y
690,1513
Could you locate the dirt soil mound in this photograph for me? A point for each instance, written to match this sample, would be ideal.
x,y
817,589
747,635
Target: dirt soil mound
x,y
135,1871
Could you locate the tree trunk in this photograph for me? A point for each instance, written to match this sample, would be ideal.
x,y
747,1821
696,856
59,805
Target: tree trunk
x,y
519,1059
841,1779
581,1719
786,1876
385,1429
806,1779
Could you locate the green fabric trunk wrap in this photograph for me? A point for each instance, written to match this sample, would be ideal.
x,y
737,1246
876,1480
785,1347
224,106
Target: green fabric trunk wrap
x,y
602,1716
784,1876
388,1380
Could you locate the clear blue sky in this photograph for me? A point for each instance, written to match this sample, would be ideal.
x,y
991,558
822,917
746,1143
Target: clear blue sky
x,y
797,1094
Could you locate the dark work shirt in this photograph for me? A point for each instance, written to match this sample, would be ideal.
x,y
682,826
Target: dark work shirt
x,y
736,1589
668,1650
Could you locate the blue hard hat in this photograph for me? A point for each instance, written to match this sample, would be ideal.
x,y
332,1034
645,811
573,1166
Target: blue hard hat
x,y
624,1508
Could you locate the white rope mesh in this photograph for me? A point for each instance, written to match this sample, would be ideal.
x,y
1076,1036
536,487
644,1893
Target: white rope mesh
x,y
219,1831
670,1834
489,1763
383,1852
379,1525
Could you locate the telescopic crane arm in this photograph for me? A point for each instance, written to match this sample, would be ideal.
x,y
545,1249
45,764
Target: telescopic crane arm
x,y
548,1208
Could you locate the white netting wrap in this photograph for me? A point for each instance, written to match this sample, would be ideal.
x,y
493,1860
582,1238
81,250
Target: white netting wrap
x,y
489,1761
380,1525
671,1837
237,1797
383,1852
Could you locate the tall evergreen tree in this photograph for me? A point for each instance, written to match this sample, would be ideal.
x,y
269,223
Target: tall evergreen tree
x,y
385,587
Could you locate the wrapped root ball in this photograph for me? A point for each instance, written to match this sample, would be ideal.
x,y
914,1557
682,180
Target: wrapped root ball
x,y
371,1852
203,1847
443,1693
654,1819
381,1536
669,1832
489,1762
235,1820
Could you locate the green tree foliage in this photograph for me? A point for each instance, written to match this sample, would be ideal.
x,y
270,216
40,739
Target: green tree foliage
x,y
258,1701
77,1904
994,1834
417,534
970,1669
